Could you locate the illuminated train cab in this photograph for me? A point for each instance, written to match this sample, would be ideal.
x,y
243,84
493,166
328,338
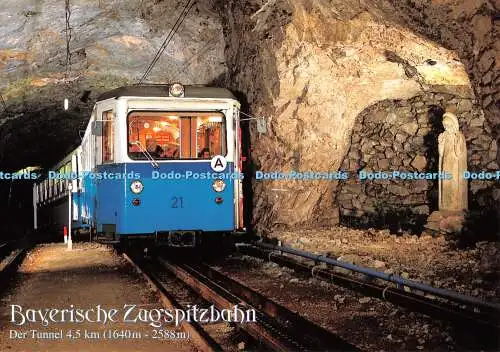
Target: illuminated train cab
x,y
147,168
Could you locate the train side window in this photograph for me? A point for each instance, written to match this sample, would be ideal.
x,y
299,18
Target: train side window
x,y
67,171
209,137
107,136
78,169
59,182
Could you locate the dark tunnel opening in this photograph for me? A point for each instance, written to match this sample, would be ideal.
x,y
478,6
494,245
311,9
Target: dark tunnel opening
x,y
39,138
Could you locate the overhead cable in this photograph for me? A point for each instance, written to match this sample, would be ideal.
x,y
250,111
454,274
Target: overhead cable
x,y
173,31
68,38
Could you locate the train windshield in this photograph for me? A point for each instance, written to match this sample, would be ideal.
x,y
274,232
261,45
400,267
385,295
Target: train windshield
x,y
171,135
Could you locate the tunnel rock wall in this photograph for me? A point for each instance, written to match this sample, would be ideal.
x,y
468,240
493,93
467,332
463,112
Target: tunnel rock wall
x,y
311,67
470,27
402,136
109,37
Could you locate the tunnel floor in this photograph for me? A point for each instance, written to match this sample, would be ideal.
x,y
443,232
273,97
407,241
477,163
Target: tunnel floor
x,y
88,276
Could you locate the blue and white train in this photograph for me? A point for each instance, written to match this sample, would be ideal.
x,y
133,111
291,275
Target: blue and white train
x,y
156,162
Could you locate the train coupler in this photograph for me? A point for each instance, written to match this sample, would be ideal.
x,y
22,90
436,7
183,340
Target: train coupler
x,y
177,238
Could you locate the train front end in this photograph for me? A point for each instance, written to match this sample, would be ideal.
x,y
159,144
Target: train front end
x,y
170,165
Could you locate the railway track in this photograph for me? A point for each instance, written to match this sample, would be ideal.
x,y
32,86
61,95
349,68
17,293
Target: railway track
x,y
11,255
275,328
161,284
471,314
4,249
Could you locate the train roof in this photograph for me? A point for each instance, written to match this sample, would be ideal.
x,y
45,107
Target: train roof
x,y
161,90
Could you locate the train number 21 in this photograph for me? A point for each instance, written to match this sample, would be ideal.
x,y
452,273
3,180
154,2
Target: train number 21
x,y
177,202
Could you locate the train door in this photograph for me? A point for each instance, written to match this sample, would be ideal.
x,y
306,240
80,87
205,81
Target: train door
x,y
238,168
104,150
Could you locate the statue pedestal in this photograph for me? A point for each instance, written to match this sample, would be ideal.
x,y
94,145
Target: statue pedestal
x,y
446,221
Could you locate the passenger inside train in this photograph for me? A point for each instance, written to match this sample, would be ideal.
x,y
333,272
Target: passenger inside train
x,y
176,135
153,148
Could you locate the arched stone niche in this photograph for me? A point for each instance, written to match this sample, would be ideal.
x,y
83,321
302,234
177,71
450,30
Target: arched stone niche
x,y
402,135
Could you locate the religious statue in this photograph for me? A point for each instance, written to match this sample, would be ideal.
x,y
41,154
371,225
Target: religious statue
x,y
453,161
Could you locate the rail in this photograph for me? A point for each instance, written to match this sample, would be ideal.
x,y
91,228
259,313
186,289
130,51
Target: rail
x,y
11,255
417,302
444,293
199,337
277,327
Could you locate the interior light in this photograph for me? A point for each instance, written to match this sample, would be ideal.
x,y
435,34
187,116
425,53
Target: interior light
x,y
66,104
173,117
146,125
156,129
215,119
164,123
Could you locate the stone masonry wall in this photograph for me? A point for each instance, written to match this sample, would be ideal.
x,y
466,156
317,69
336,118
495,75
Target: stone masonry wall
x,y
402,135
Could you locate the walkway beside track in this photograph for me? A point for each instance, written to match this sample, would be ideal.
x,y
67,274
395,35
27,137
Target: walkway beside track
x,y
88,276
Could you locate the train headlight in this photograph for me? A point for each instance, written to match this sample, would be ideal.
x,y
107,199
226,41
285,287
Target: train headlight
x,y
136,187
219,185
176,90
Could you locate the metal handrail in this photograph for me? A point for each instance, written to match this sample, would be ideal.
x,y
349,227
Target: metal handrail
x,y
444,293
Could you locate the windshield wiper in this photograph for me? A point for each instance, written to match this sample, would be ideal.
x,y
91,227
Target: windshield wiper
x,y
148,156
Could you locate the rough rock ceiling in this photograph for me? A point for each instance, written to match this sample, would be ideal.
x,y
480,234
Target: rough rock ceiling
x,y
471,29
112,44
